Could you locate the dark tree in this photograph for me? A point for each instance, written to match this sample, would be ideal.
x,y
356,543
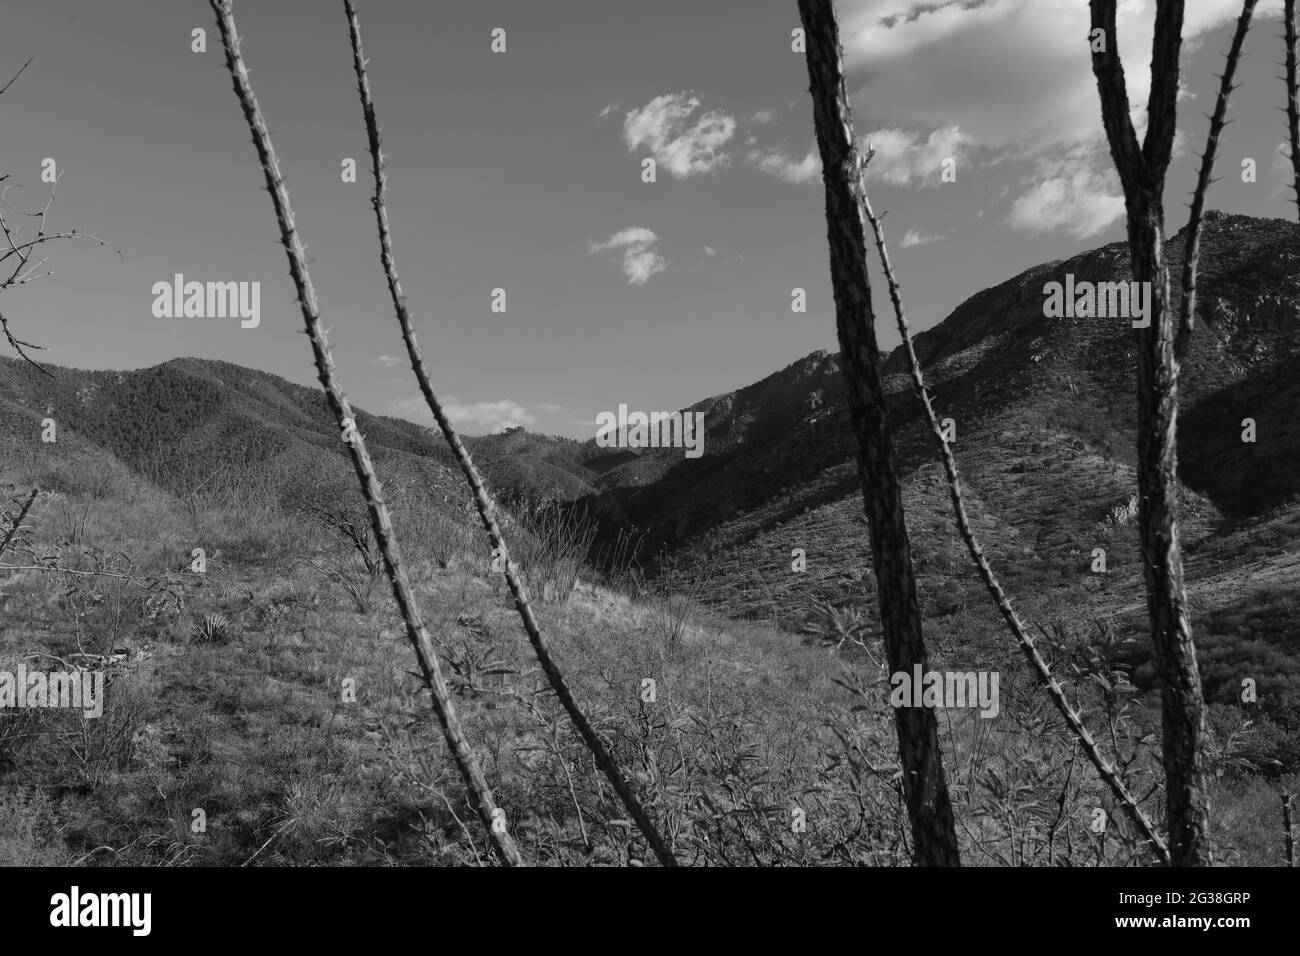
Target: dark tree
x,y
924,787
1142,170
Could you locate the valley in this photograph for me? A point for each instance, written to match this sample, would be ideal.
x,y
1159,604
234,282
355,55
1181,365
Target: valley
x,y
648,564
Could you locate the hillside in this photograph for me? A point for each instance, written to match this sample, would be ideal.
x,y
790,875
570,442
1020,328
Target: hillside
x,y
1015,381
1045,412
227,680
1019,386
1043,408
192,421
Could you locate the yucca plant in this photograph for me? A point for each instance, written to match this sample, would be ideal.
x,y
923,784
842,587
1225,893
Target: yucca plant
x,y
210,629
833,627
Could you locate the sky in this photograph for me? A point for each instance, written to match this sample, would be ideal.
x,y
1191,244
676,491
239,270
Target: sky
x,y
522,171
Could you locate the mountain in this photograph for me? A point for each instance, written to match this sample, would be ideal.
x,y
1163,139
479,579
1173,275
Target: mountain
x,y
1016,382
1043,407
1044,411
192,423
1045,433
1023,390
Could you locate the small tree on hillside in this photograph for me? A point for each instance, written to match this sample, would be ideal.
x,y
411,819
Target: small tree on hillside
x,y
24,235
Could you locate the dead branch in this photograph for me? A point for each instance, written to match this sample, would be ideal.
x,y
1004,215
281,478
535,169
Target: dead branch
x,y
1192,238
1142,173
1018,630
482,497
18,521
16,75
1292,111
417,633
924,787
24,270
1288,829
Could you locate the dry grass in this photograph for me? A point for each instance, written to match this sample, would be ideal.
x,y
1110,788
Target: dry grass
x,y
292,724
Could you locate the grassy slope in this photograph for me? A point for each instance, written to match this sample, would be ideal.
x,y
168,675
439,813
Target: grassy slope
x,y
250,726
247,722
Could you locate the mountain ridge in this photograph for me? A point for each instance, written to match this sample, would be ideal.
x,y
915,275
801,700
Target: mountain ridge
x,y
1044,416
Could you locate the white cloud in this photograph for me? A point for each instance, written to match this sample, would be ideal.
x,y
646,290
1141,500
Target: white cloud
x,y
488,417
1081,200
914,237
608,109
788,168
710,252
1015,75
1015,78
1280,168
388,361
1281,174
684,148
903,157
762,117
637,246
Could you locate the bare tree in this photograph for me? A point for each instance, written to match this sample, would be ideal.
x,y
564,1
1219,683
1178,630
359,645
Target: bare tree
x,y
924,787
1142,169
1292,110
482,497
20,247
1017,627
16,528
1019,631
1288,829
1192,235
386,538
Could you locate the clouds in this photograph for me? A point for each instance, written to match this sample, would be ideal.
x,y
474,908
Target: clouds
x,y
1015,77
487,417
788,168
1081,203
689,143
636,246
664,126
914,237
1075,191
1280,171
903,158
1014,74
1007,83
490,416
